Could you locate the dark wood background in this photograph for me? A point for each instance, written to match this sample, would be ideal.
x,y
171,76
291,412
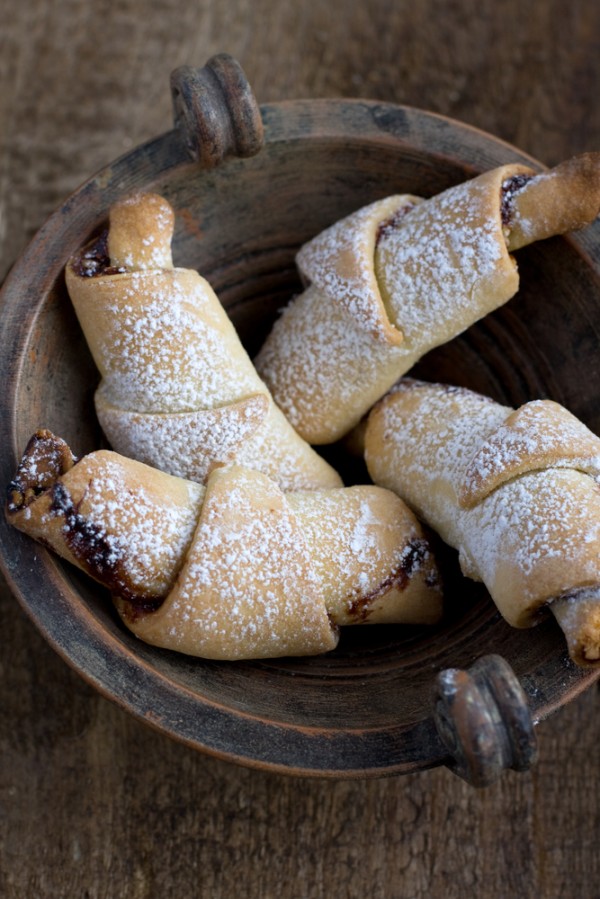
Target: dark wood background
x,y
94,803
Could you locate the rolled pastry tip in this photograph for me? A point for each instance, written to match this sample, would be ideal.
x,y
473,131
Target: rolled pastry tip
x,y
235,569
404,275
516,492
178,390
578,615
566,198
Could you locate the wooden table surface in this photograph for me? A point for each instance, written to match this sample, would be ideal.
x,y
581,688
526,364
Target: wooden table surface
x,y
94,803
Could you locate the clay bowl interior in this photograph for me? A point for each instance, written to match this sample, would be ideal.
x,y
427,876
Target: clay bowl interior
x,y
364,709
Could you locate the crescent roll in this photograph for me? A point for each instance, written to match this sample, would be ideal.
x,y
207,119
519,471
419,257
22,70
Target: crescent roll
x,y
235,569
516,492
403,275
178,390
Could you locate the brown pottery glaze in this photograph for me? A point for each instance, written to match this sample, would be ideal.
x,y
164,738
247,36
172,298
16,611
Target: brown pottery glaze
x,y
385,702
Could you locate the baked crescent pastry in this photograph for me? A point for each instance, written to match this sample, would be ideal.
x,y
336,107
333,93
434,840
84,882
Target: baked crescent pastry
x,y
517,493
403,275
178,391
234,569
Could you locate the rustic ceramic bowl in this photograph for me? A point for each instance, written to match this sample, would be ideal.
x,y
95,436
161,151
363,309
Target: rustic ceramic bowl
x,y
367,708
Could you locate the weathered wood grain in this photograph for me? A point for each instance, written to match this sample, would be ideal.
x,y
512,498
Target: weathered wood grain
x,y
94,804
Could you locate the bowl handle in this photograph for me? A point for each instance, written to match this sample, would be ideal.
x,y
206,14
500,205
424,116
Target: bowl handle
x,y
484,721
215,111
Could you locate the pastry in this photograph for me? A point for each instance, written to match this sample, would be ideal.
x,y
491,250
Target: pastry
x,y
234,569
178,391
516,492
403,275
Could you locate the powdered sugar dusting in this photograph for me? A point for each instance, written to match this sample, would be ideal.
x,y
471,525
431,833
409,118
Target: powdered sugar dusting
x,y
171,363
533,520
248,583
322,368
340,262
540,434
441,268
537,532
435,269
147,533
140,234
163,353
155,257
277,451
346,534
186,444
430,443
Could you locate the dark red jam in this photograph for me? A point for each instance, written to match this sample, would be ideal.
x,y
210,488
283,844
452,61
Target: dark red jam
x,y
415,553
94,259
510,187
390,224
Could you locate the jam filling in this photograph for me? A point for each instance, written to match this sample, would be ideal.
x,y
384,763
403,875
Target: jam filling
x,y
46,458
94,259
510,187
415,553
98,553
390,224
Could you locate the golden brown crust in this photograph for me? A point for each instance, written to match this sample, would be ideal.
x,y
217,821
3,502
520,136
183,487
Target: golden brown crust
x,y
165,349
371,556
236,569
578,614
246,589
340,263
123,523
170,441
516,493
537,436
566,198
45,459
383,292
140,232
387,284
